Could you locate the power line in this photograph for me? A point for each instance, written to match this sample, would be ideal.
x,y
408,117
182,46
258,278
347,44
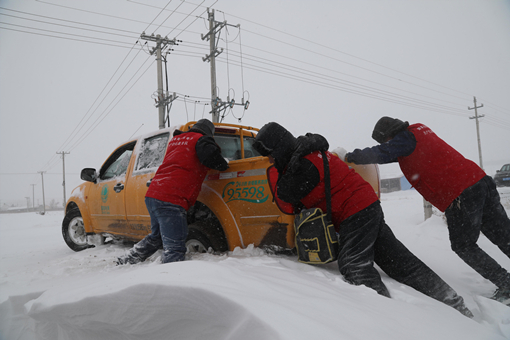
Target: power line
x,y
61,25
54,36
267,66
58,19
80,126
64,33
103,14
300,38
104,114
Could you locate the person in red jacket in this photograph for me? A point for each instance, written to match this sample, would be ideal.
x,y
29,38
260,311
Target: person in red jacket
x,y
364,237
453,184
174,189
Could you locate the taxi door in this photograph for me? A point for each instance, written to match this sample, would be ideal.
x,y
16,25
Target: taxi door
x,y
149,156
107,196
244,190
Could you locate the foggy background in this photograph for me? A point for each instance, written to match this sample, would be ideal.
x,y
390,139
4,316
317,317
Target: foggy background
x,y
75,77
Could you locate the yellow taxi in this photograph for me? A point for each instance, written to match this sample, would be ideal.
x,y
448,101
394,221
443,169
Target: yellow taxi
x,y
235,207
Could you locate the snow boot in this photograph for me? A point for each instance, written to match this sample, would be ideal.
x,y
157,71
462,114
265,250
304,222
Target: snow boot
x,y
140,251
502,295
465,311
132,258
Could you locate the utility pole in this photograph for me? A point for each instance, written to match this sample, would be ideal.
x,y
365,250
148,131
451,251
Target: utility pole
x,y
162,98
215,27
44,202
33,196
476,116
64,173
427,209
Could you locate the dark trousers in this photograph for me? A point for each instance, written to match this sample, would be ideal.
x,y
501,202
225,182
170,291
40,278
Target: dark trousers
x,y
365,238
478,209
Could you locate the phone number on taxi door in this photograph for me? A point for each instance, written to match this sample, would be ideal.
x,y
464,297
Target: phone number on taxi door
x,y
250,191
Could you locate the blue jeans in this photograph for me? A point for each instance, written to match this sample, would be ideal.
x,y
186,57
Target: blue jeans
x,y
169,229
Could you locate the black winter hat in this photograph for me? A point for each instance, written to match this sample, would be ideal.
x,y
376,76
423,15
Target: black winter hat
x,y
275,140
204,126
388,127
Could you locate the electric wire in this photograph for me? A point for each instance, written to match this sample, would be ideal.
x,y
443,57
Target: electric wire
x,y
59,19
105,15
82,122
65,38
322,80
332,49
168,3
105,114
69,34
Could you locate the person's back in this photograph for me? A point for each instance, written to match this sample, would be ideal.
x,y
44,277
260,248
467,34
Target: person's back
x,y
438,171
453,184
363,234
180,176
350,193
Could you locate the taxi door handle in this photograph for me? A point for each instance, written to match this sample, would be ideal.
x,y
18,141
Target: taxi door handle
x,y
118,188
149,182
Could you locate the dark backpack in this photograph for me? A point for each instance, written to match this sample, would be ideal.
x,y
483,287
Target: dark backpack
x,y
316,238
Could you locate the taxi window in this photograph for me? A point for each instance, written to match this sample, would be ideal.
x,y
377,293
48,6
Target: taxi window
x,y
118,162
231,147
249,151
152,152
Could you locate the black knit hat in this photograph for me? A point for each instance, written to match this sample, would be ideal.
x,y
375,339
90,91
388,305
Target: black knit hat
x,y
275,140
204,126
387,128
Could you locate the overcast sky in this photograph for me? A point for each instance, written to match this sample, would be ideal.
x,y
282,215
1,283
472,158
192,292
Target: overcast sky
x,y
75,77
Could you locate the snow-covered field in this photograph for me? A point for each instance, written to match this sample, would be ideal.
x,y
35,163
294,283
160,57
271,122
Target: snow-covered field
x,y
47,291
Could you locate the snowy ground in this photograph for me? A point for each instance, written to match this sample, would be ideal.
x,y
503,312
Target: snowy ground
x,y
47,291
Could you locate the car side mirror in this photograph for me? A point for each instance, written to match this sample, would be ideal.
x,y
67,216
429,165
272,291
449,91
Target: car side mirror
x,y
89,175
498,170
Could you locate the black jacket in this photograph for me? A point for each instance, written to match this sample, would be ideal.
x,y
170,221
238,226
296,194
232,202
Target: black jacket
x,y
300,175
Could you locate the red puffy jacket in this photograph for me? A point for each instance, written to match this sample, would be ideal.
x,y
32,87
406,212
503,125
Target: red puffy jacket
x,y
350,193
436,170
180,176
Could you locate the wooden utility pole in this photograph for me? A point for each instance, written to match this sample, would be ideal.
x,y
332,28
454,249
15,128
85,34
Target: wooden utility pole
x,y
44,202
33,196
476,116
64,173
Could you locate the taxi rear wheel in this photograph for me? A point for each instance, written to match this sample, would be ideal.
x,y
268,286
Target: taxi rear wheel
x,y
73,230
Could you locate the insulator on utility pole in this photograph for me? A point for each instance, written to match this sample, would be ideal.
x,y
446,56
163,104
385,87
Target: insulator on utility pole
x,y
476,117
214,27
161,44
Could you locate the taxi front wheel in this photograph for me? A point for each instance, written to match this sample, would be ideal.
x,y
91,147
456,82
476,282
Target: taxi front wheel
x,y
73,230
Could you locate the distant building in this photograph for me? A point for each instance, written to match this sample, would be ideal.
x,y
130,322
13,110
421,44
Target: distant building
x,y
395,184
